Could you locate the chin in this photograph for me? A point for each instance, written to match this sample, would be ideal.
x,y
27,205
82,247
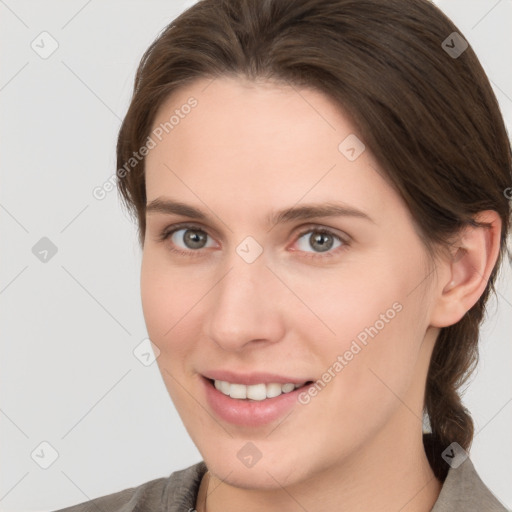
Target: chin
x,y
259,477
249,468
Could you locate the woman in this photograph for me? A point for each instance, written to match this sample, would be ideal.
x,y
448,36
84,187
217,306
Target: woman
x,y
320,188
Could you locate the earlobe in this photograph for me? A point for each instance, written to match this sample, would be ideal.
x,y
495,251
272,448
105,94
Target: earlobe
x,y
468,270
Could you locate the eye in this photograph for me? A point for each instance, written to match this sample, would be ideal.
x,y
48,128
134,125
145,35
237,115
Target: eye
x,y
321,239
191,236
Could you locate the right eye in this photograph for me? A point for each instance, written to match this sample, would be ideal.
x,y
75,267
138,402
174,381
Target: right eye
x,y
191,236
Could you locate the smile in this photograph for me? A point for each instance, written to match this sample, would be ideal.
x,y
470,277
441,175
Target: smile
x,y
251,405
260,391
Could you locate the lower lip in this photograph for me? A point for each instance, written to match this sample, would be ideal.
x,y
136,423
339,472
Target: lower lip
x,y
247,413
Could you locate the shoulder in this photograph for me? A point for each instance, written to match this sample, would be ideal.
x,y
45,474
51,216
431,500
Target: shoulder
x,y
463,489
175,492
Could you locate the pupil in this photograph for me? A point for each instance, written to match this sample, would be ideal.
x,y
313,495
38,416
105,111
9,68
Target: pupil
x,y
318,239
194,238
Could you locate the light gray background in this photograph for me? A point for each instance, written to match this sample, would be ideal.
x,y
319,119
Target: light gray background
x,y
68,375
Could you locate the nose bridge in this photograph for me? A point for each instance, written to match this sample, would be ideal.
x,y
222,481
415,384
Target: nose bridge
x,y
243,307
248,271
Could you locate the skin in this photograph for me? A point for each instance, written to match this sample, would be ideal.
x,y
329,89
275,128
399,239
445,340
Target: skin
x,y
246,150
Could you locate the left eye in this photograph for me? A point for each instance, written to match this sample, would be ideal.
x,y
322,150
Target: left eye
x,y
321,239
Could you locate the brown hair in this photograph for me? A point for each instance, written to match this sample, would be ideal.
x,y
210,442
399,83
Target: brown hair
x,y
430,118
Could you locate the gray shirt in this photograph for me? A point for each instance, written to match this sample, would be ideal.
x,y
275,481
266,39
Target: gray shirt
x,y
462,490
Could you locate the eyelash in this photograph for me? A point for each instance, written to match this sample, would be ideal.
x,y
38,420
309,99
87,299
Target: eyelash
x,y
167,232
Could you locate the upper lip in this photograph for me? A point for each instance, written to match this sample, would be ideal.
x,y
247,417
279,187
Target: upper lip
x,y
251,378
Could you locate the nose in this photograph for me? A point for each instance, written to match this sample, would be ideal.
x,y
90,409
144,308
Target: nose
x,y
248,305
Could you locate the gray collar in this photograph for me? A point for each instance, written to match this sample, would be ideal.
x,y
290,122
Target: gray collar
x,y
462,490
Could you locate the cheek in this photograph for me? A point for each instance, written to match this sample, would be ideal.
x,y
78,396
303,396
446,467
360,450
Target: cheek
x,y
164,302
167,292
379,327
154,301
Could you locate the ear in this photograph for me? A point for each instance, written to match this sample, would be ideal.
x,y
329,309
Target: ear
x,y
466,272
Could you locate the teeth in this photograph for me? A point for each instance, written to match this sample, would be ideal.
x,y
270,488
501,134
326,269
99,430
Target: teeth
x,y
238,391
224,387
255,391
273,390
288,387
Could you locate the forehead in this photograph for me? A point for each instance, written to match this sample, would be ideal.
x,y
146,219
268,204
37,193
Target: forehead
x,y
234,116
257,140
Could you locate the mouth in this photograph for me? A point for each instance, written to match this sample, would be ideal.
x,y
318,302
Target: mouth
x,y
252,405
253,398
255,392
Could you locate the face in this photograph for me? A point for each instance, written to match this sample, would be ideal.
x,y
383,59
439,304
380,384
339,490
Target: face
x,y
234,292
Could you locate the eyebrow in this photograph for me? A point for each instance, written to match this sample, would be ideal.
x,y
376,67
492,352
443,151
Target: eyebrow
x,y
305,212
